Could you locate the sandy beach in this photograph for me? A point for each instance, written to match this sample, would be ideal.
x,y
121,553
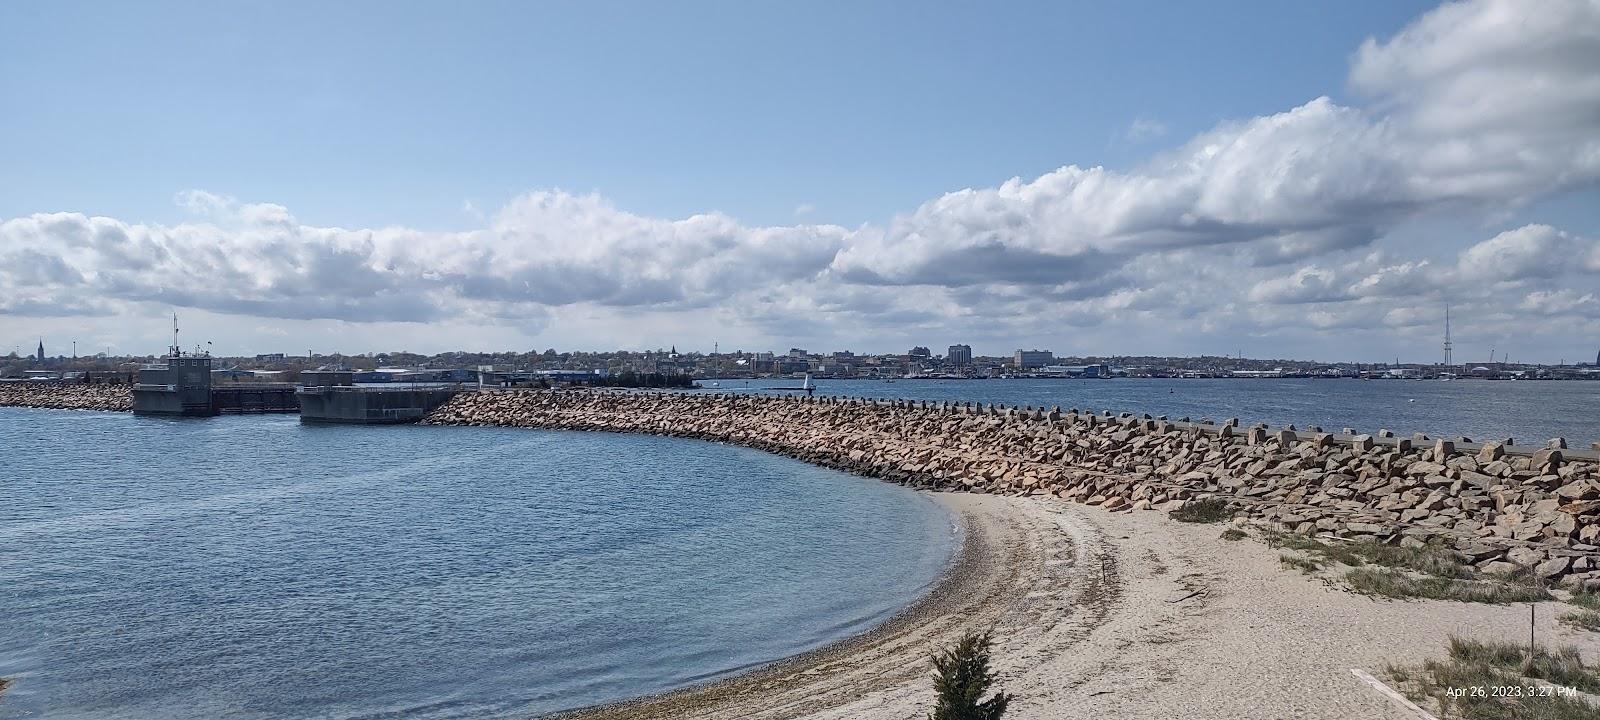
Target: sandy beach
x,y
1118,615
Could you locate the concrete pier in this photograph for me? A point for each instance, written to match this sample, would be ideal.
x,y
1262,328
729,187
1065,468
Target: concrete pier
x,y
248,399
368,406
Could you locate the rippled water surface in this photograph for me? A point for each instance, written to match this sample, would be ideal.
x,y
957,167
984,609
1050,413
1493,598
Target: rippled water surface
x,y
253,567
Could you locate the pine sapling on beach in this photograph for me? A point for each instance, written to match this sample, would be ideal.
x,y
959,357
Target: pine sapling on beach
x,y
961,677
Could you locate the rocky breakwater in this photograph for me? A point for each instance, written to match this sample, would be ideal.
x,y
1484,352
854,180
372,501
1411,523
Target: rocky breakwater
x,y
1501,506
67,396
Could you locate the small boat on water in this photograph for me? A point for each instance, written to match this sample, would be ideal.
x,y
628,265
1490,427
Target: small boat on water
x,y
806,386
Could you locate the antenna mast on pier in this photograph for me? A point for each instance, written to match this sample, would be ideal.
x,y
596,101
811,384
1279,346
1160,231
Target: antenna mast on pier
x,y
1447,346
174,351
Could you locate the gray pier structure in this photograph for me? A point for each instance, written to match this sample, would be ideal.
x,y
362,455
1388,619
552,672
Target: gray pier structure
x,y
331,397
180,385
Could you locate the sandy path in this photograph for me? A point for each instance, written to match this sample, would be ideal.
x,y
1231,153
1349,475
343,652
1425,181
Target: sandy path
x,y
1130,615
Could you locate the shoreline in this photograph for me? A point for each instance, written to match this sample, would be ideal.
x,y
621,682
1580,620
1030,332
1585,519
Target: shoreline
x,y
1118,614
974,593
970,554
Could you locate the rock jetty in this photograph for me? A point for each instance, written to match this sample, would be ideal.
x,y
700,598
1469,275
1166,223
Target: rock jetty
x,y
1501,506
67,396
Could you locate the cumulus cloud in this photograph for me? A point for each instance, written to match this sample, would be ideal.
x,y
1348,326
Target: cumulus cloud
x,y
544,249
1306,285
1528,252
1560,302
1260,223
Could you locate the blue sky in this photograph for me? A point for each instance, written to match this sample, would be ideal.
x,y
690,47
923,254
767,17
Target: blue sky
x,y
1284,178
366,114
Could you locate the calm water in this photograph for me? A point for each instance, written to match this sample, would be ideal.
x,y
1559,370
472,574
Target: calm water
x,y
253,567
1522,410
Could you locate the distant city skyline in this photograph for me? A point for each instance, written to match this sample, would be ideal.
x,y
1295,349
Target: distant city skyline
x,y
957,355
1277,180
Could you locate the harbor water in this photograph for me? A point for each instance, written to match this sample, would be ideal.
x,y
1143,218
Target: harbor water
x,y
255,567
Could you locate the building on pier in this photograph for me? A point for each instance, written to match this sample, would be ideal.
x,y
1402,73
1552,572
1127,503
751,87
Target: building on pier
x,y
179,385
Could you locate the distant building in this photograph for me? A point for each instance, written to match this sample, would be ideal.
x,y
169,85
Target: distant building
x,y
1030,359
1099,370
959,355
796,353
270,357
40,356
920,353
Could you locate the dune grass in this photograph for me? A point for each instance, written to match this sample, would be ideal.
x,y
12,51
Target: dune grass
x,y
1234,534
1205,510
1303,564
1480,668
1397,584
1585,599
1428,572
1429,559
1582,619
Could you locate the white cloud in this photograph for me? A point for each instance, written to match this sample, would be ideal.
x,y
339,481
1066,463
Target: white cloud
x,y
1307,285
1560,302
1527,253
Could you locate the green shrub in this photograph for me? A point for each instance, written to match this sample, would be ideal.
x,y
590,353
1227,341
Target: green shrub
x,y
962,677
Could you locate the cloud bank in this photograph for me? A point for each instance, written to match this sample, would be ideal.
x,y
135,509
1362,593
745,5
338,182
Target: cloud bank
x,y
1257,226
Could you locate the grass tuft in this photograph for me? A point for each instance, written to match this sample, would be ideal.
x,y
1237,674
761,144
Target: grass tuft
x,y
1582,619
1305,565
1490,665
1430,559
1206,510
1586,599
1560,666
1234,534
1392,583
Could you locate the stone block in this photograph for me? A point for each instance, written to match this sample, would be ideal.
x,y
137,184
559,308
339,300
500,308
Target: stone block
x,y
1554,567
1525,556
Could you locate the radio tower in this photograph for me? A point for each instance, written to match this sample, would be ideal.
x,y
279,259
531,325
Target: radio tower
x,y
174,351
1447,358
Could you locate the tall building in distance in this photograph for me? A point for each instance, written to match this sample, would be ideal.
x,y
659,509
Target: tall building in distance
x,y
40,356
1030,359
959,355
